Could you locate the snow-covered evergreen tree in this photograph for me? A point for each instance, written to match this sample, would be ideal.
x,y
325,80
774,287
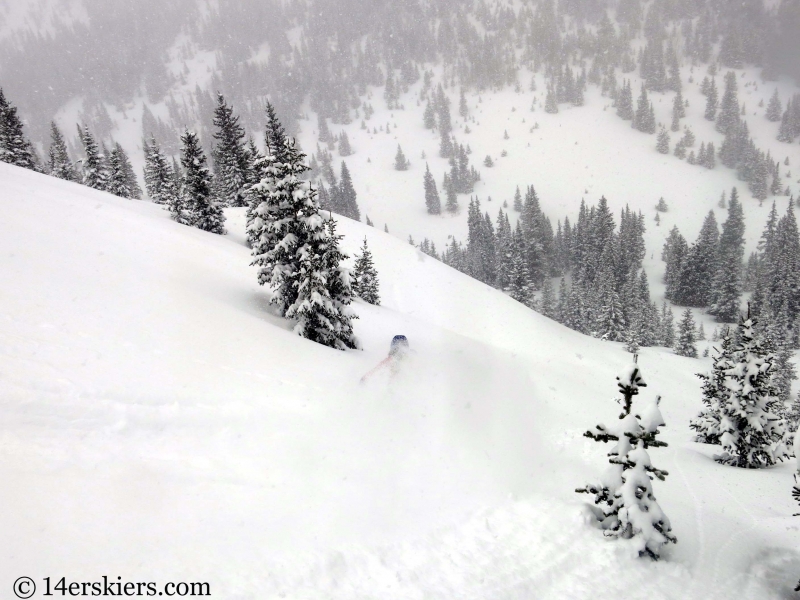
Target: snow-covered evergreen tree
x,y
15,148
547,302
624,503
400,161
197,186
230,155
729,106
322,303
712,102
159,181
667,333
344,145
347,195
432,202
625,102
95,168
365,277
751,434
644,119
121,181
727,285
58,161
550,104
686,344
297,250
774,108
693,284
662,142
707,422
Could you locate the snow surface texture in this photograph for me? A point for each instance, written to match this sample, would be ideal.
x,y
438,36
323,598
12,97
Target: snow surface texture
x,y
159,423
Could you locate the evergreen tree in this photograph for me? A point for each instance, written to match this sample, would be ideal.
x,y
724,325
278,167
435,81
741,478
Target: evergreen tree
x,y
644,120
324,134
786,131
729,107
751,435
776,331
429,117
625,102
677,107
281,203
230,155
321,307
517,200
347,195
774,108
58,163
686,342
688,138
662,143
609,320
463,109
561,306
707,422
667,334
365,284
776,189
727,285
275,139
15,148
158,177
95,168
197,187
129,175
674,254
519,285
693,285
445,145
547,304
504,251
432,202
344,145
451,205
122,182
550,104
176,203
712,102
624,503
400,161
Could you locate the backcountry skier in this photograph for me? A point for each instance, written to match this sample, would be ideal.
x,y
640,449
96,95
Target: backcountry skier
x,y
398,352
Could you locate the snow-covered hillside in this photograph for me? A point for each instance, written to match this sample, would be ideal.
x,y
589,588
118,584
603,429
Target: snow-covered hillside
x,y
159,423
580,152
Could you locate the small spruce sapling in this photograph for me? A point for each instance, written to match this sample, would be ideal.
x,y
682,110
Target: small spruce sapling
x,y
624,503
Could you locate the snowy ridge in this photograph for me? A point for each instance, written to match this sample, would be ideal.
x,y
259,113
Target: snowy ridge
x,y
160,423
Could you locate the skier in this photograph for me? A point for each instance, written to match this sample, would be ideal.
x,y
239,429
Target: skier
x,y
398,352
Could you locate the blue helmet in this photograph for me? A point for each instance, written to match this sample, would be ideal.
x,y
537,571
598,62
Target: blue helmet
x,y
399,344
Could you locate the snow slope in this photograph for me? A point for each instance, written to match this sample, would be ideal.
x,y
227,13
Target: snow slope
x,y
159,423
580,152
